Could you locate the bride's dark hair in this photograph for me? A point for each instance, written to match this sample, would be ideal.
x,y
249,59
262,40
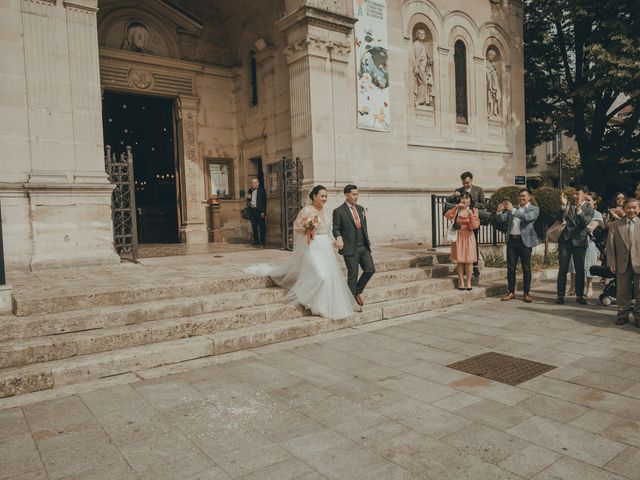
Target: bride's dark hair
x,y
315,190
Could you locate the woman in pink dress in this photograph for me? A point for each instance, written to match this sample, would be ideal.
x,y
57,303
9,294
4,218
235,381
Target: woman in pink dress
x,y
463,249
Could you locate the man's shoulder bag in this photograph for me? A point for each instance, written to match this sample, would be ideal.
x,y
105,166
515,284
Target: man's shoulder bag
x,y
554,232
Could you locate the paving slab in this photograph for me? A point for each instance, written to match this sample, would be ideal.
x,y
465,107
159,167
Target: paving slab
x,y
368,402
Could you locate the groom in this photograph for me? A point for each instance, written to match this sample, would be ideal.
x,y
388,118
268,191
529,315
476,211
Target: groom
x,y
352,240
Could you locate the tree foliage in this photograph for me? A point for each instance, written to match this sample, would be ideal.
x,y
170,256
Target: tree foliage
x,y
582,60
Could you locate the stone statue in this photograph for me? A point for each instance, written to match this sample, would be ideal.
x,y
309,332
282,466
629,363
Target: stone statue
x,y
423,91
494,94
136,38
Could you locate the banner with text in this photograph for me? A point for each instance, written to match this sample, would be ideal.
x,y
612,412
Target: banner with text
x,y
371,64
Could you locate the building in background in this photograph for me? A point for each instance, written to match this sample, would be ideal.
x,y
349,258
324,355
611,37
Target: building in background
x,y
398,97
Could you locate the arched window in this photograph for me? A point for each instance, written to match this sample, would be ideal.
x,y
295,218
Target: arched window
x,y
253,78
460,59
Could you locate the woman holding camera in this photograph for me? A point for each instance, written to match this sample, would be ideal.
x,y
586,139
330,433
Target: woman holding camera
x,y
463,249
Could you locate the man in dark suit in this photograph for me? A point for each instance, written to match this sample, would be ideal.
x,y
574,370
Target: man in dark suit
x,y
257,203
477,198
352,240
623,258
573,242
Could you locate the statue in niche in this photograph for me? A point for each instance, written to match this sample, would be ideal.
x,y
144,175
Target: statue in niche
x,y
136,38
423,91
494,93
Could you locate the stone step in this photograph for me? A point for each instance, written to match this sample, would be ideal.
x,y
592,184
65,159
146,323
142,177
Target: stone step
x,y
58,299
56,347
117,315
86,367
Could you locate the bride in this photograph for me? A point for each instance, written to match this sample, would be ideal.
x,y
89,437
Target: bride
x,y
312,275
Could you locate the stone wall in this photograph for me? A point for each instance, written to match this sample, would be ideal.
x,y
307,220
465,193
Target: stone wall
x,y
52,180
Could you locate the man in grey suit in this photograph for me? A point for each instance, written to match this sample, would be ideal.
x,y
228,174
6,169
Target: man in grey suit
x,y
573,242
352,240
521,238
477,199
623,258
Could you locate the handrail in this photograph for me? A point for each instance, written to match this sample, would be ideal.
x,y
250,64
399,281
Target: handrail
x,y
3,279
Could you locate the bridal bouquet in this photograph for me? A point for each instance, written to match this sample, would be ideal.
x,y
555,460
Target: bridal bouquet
x,y
309,224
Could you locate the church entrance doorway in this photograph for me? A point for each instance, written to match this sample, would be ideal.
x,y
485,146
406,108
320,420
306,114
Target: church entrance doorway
x,y
146,124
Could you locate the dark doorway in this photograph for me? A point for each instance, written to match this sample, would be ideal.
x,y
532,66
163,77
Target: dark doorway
x,y
256,170
147,125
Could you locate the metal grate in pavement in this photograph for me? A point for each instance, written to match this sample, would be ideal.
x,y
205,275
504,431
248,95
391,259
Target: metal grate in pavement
x,y
502,368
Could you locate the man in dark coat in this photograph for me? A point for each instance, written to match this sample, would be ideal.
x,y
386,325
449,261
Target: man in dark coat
x,y
257,203
352,240
573,242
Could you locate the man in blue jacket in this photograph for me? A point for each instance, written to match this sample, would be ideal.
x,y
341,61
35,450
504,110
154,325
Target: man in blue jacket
x,y
521,238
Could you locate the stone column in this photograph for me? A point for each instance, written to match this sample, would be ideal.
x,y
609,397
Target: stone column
x,y
317,55
69,193
193,228
514,103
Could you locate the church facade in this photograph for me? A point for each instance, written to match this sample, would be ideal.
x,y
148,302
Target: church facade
x,y
396,96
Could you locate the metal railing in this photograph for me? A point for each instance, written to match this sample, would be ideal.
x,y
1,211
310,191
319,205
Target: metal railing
x,y
487,234
3,279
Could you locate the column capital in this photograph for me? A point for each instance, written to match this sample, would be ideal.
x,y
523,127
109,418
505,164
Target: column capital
x,y
311,16
90,6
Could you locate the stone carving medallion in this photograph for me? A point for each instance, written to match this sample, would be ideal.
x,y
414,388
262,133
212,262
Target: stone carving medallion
x,y
141,78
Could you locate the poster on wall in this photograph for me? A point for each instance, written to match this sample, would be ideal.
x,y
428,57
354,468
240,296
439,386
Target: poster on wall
x,y
372,72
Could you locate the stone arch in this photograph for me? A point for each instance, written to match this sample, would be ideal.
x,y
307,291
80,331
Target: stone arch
x,y
421,10
113,26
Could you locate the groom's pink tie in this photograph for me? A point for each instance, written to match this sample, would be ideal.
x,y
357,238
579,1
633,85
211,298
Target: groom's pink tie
x,y
356,217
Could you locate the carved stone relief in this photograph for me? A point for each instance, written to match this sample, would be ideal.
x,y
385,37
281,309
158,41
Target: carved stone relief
x,y
494,91
136,37
422,67
141,78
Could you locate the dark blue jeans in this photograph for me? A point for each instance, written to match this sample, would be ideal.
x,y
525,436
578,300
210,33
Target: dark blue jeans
x,y
566,250
516,250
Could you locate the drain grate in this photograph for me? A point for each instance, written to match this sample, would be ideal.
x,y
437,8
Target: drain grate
x,y
502,368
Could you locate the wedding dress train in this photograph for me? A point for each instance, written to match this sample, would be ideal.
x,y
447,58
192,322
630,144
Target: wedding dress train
x,y
312,275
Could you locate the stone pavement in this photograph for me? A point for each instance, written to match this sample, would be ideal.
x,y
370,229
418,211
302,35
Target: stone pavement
x,y
371,402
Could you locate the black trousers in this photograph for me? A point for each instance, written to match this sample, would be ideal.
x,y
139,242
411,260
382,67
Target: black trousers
x,y
361,259
566,250
259,227
516,250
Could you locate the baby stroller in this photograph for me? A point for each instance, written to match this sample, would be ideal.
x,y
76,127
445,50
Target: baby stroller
x,y
608,295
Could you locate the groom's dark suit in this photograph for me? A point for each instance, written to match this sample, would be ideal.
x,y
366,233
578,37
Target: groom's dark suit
x,y
357,249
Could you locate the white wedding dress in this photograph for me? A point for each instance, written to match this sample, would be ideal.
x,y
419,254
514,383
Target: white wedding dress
x,y
312,275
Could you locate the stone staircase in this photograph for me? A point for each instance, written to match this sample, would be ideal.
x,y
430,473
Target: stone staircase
x,y
60,339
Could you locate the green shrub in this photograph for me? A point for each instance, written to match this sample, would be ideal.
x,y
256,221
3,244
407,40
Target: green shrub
x,y
548,200
493,260
503,194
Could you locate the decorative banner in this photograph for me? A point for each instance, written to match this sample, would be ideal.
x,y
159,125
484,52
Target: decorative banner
x,y
371,64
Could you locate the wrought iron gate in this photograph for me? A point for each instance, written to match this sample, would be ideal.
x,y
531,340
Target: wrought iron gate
x,y
291,177
123,202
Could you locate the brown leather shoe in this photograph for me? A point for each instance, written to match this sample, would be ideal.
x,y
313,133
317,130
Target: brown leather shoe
x,y
527,298
508,296
359,300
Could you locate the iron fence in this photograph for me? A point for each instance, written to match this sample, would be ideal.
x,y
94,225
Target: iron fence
x,y
487,234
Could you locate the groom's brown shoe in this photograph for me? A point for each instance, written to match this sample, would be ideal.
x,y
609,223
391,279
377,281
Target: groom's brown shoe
x,y
359,300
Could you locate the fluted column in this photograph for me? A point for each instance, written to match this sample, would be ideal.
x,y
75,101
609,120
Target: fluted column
x,y
67,187
318,54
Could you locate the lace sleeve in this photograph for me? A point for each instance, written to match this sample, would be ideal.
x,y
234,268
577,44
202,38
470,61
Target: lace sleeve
x,y
297,224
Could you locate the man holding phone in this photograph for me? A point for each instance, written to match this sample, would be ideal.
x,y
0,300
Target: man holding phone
x,y
573,242
521,238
